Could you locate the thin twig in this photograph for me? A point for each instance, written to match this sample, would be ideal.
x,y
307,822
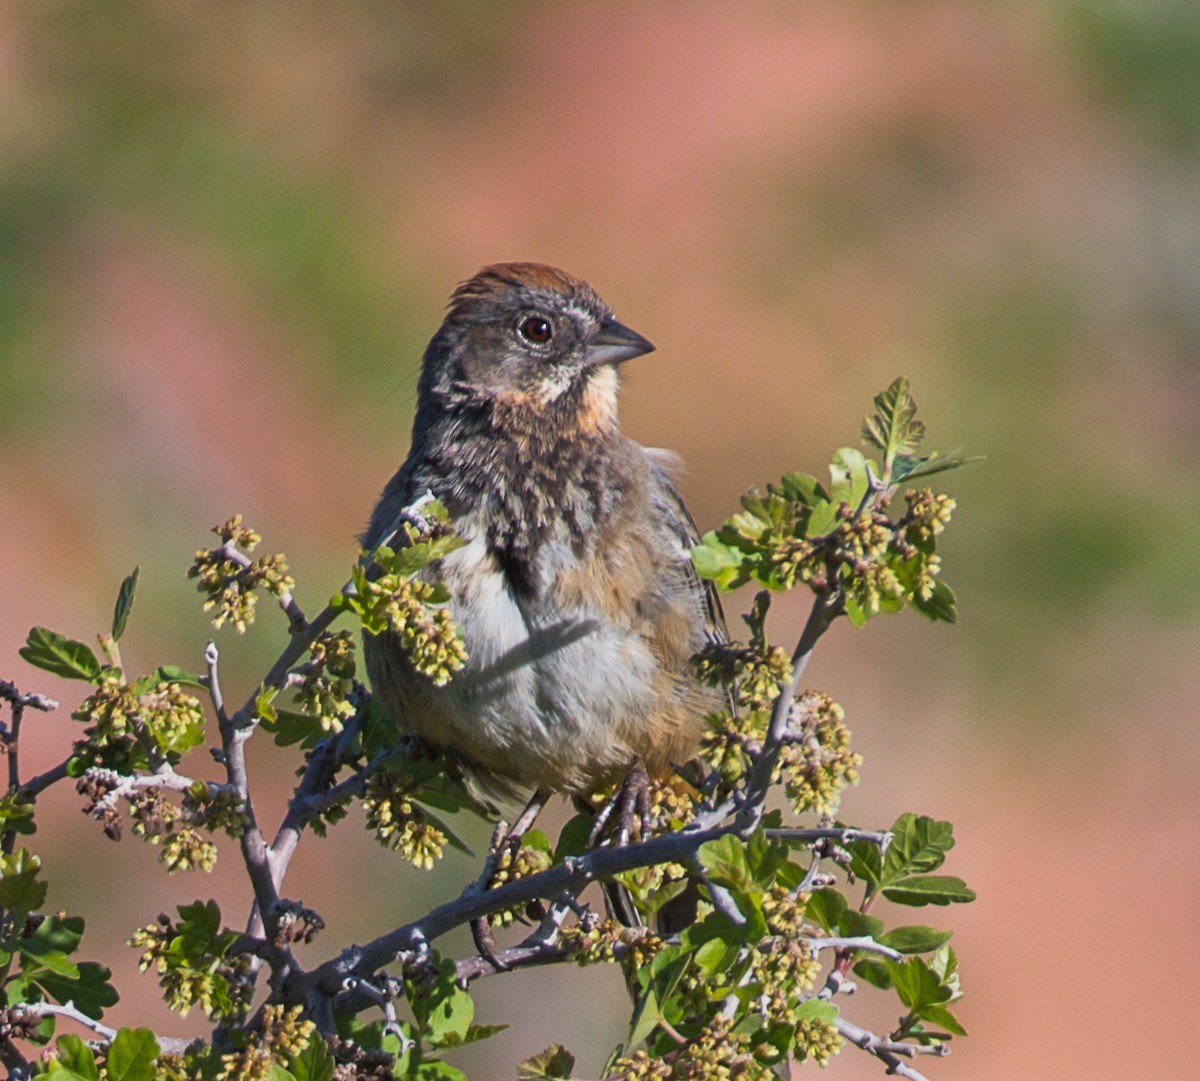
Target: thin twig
x,y
855,942
824,610
888,1052
32,788
843,835
68,1010
12,738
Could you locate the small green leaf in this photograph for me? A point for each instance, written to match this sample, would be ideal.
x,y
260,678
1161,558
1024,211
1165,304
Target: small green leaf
x,y
59,655
553,1064
573,839
910,469
866,862
919,844
848,475
916,939
823,518
929,890
437,1071
60,932
314,1062
20,889
91,993
124,603
45,957
939,1015
893,429
856,924
474,1034
816,1009
717,561
828,907
803,488
443,1010
73,1060
131,1055
856,613
940,606
917,986
172,673
16,814
724,860
874,971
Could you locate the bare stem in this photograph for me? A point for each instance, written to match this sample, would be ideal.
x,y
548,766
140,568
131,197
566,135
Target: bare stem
x,y
824,610
888,1052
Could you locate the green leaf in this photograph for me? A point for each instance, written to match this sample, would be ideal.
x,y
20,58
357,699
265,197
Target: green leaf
x,y
855,612
16,814
555,1063
816,1009
917,986
828,907
647,1012
945,963
874,971
474,1034
73,1059
916,939
314,1062
724,860
573,839
717,561
44,956
856,924
124,603
131,1055
919,844
443,1010
939,1015
437,1071
866,862
59,655
893,429
823,518
60,932
803,488
288,727
940,606
91,993
20,889
172,673
929,890
848,474
910,469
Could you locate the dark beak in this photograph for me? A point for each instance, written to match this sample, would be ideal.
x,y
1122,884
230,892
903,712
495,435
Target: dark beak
x,y
614,343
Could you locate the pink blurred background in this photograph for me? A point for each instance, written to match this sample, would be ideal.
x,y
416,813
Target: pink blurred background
x,y
226,232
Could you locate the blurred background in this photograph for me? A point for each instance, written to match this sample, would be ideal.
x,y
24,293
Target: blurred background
x,y
227,231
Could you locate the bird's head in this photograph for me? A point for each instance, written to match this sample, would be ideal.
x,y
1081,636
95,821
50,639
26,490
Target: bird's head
x,y
527,336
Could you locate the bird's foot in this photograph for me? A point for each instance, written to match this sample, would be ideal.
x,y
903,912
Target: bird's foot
x,y
630,804
506,841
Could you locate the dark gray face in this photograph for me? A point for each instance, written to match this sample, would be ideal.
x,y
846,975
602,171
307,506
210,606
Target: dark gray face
x,y
531,344
525,332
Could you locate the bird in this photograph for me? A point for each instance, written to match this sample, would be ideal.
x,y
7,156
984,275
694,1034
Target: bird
x,y
577,602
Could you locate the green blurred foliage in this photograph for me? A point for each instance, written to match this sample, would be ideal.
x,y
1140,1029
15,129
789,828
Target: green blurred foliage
x,y
1145,56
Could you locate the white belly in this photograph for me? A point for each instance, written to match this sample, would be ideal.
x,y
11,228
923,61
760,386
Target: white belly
x,y
544,694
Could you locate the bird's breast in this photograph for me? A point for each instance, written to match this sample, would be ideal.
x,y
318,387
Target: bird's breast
x,y
550,677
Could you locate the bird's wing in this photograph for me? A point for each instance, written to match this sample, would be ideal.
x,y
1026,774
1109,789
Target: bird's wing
x,y
684,527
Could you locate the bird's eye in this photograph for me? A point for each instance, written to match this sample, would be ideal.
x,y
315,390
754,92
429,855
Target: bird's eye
x,y
536,329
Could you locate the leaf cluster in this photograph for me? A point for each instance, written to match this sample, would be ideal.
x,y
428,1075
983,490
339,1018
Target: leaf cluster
x,y
842,540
